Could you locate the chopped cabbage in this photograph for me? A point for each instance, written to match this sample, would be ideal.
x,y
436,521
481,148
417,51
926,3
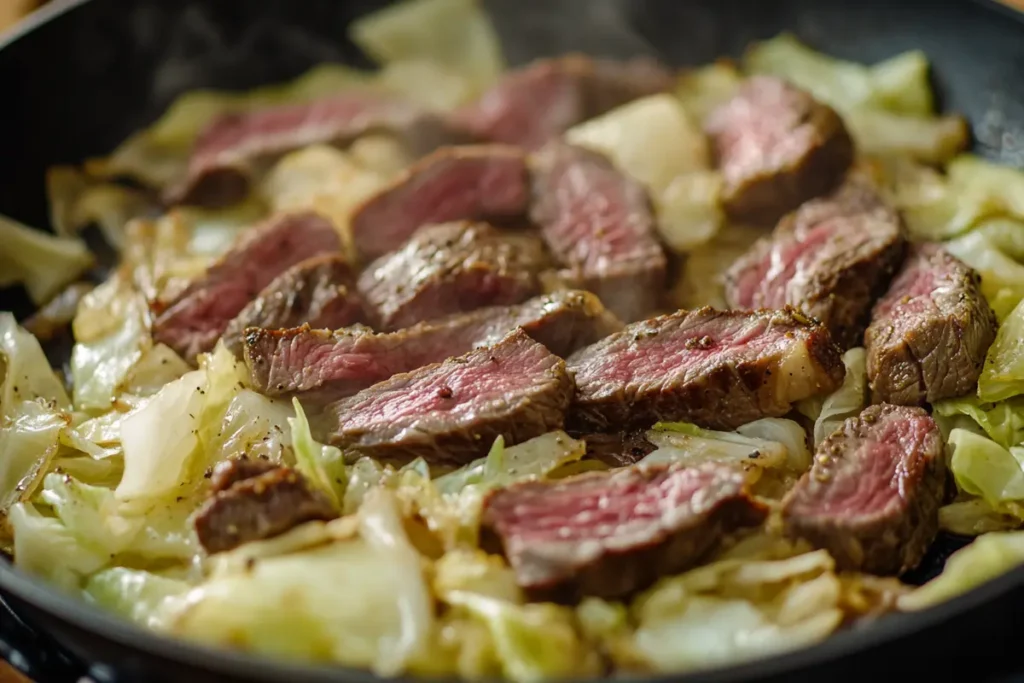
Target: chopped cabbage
x,y
76,202
1002,278
100,366
703,89
533,642
532,459
1002,421
1003,373
1006,234
255,425
690,444
932,140
43,263
213,231
44,547
846,401
976,516
653,140
737,609
981,561
474,571
29,441
24,371
143,597
983,468
427,83
324,466
453,34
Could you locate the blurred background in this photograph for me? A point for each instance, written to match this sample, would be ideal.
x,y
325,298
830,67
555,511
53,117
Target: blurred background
x,y
13,10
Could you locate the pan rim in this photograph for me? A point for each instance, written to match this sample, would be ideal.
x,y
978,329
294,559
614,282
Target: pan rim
x,y
87,617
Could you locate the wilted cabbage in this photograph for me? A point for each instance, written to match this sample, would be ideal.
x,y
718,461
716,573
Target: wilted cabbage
x,y
143,597
846,401
1002,421
323,466
767,443
703,89
984,468
1002,278
1003,373
43,263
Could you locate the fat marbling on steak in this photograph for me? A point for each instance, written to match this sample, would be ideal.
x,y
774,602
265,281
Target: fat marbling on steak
x,y
542,100
452,412
777,147
873,494
599,224
319,292
609,534
321,366
195,319
252,500
831,258
716,369
930,333
235,145
452,268
481,182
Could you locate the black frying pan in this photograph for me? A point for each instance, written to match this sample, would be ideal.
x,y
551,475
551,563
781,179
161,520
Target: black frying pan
x,y
82,75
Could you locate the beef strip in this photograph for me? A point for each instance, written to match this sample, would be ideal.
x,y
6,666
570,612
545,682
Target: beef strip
x,y
777,147
873,494
599,224
609,534
717,369
452,412
451,268
194,320
236,145
258,505
484,182
929,334
542,100
831,258
233,470
319,292
322,366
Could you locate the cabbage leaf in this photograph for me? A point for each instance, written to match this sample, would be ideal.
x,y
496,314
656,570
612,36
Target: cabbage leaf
x,y
1002,278
846,401
44,547
1003,374
323,466
983,468
43,263
767,443
1002,421
143,597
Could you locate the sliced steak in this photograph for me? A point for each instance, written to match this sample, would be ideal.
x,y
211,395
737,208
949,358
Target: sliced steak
x,y
235,145
717,369
194,320
233,470
777,147
929,334
873,494
256,507
485,182
542,100
599,224
452,268
831,258
609,534
322,366
319,292
452,412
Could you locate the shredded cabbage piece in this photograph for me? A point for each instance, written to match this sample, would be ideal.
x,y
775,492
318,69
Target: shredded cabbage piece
x,y
143,597
846,401
705,88
1002,278
1003,374
1002,421
77,201
324,466
976,516
43,263
766,443
984,468
44,547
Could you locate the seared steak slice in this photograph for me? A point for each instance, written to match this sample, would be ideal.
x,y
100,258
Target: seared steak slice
x,y
717,369
831,258
319,292
777,147
599,224
451,268
235,145
929,334
538,102
873,494
452,412
258,507
322,366
617,449
485,182
233,470
611,533
194,320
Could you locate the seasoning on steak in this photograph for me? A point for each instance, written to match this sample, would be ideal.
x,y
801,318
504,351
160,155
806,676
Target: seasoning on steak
x,y
451,268
599,224
831,258
542,100
319,292
483,182
194,320
873,494
233,470
452,412
322,366
717,369
929,334
777,147
258,503
237,144
617,449
609,534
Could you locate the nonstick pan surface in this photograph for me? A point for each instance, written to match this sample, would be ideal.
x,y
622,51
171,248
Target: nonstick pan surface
x,y
83,74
